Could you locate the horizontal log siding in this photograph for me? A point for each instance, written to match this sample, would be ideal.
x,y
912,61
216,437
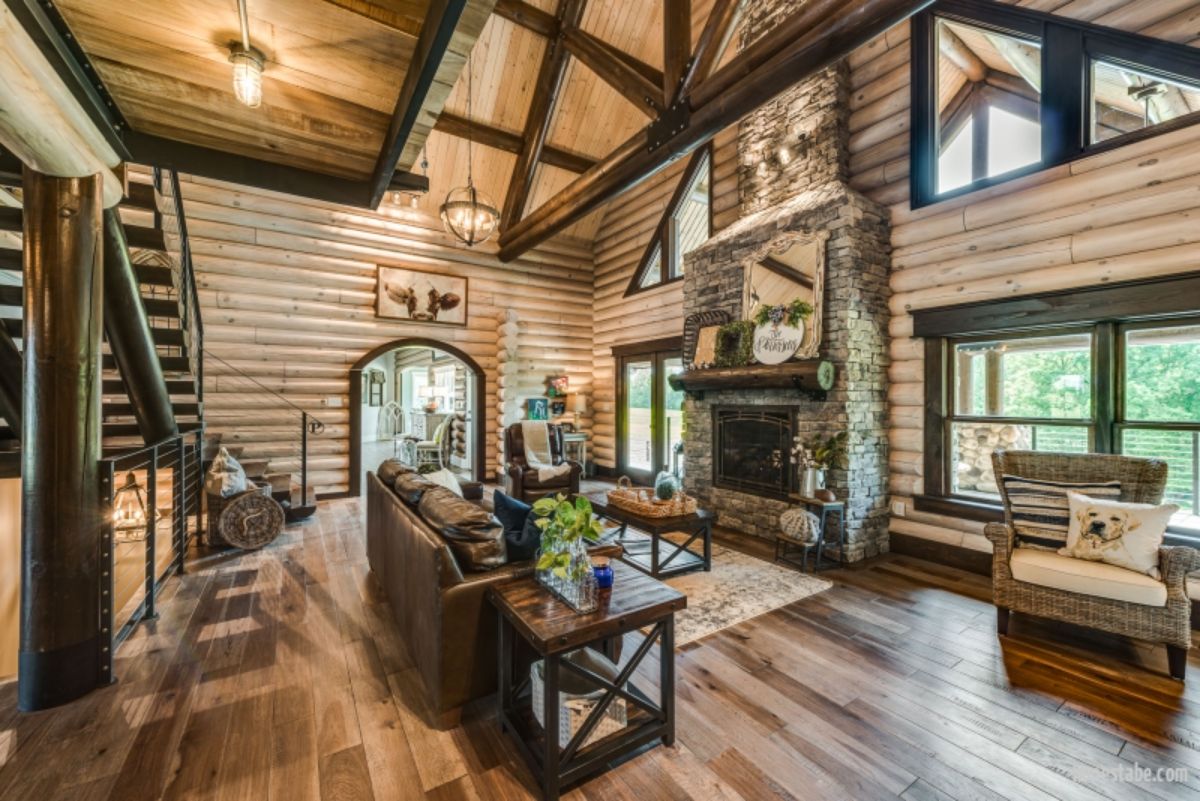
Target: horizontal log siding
x,y
1127,214
287,289
625,230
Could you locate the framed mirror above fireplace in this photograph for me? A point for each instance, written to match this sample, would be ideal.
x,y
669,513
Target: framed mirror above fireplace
x,y
790,267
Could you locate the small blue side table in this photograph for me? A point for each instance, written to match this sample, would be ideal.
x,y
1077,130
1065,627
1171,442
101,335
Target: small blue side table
x,y
823,510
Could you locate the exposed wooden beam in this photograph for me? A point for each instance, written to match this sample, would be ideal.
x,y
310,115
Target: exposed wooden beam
x,y
404,16
528,17
509,141
677,44
602,59
960,55
222,166
721,22
440,21
757,75
541,109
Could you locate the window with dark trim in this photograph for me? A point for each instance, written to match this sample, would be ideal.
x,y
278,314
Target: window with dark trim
x,y
685,224
1102,370
1000,91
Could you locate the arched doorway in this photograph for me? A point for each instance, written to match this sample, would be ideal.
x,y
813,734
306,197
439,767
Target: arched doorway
x,y
413,354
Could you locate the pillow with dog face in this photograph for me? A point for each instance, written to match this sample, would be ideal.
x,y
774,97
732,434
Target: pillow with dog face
x,y
1126,535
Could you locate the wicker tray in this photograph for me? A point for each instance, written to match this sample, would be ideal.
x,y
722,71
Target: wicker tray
x,y
641,501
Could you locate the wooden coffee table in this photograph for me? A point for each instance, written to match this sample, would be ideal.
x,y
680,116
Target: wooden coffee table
x,y
645,550
553,630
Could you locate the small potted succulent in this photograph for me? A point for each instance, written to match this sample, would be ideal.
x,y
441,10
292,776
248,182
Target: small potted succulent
x,y
815,457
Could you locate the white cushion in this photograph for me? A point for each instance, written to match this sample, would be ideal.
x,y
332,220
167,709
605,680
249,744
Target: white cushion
x,y
1048,569
445,478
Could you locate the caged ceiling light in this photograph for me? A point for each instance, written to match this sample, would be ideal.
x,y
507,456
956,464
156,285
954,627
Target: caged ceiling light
x,y
468,214
247,65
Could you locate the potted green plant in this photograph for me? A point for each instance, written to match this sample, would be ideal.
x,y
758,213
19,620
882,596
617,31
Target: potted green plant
x,y
563,565
815,457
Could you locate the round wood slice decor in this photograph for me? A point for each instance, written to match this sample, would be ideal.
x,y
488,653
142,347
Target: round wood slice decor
x,y
251,521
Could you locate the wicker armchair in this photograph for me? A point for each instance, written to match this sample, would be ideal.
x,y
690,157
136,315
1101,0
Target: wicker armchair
x,y
1142,481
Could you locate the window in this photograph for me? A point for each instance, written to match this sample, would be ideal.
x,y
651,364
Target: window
x,y
1027,392
1000,91
987,89
686,224
1125,100
1118,384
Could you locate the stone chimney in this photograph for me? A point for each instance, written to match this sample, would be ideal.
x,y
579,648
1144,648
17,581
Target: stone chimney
x,y
792,176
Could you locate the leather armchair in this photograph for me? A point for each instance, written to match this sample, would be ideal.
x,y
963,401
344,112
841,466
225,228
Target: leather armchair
x,y
521,481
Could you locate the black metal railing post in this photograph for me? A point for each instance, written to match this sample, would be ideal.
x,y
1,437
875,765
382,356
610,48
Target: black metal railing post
x,y
303,458
107,574
179,515
151,530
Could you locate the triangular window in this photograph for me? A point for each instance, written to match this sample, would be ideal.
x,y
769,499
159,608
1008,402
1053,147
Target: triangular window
x,y
686,223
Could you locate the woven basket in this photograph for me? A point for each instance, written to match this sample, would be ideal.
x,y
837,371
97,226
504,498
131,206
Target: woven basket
x,y
642,501
573,710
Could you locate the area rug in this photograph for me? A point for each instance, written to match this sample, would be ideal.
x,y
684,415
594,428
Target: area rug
x,y
738,588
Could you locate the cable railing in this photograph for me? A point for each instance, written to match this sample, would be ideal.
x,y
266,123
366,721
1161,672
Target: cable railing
x,y
189,295
152,500
290,445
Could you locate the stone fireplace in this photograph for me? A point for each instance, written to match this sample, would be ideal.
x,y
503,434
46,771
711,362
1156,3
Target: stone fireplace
x,y
792,177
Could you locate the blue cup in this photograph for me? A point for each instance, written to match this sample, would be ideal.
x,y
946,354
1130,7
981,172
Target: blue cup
x,y
603,572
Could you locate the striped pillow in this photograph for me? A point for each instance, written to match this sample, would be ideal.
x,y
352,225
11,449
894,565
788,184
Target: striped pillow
x,y
1040,513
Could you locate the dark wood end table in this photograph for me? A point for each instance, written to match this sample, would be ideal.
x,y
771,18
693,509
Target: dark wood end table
x,y
553,630
645,552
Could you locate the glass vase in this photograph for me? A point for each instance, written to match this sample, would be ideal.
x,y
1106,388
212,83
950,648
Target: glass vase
x,y
574,585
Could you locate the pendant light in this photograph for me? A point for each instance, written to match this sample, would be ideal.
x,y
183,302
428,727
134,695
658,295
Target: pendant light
x,y
247,65
468,214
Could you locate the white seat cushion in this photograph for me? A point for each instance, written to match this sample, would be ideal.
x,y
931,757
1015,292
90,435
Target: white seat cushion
x,y
1048,569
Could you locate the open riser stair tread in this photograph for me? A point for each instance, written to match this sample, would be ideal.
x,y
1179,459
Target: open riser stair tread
x,y
137,236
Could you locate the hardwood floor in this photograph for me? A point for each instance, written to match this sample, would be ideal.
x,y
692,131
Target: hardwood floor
x,y
277,675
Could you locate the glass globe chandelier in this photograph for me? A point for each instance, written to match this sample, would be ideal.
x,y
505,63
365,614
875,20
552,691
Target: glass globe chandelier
x,y
468,214
247,65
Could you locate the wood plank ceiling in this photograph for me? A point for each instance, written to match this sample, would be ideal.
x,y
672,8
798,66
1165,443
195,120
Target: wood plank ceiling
x,y
331,82
334,68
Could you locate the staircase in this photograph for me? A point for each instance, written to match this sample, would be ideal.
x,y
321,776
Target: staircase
x,y
158,248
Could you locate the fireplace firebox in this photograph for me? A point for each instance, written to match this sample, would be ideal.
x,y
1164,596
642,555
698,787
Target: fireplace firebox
x,y
752,449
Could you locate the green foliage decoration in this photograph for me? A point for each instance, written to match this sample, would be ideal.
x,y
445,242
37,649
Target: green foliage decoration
x,y
564,523
735,344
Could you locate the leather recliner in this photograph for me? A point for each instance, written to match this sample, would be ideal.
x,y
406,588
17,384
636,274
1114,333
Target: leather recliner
x,y
521,481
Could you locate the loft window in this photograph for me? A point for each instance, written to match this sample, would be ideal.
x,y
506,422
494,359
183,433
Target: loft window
x,y
1001,91
685,224
988,90
1086,372
1124,100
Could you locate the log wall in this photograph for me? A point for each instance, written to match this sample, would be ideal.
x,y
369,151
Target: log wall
x,y
1126,214
628,224
287,289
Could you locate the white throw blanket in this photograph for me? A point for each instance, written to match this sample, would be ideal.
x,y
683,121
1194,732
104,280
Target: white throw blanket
x,y
537,451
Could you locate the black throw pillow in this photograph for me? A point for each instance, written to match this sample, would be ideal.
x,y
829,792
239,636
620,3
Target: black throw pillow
x,y
521,534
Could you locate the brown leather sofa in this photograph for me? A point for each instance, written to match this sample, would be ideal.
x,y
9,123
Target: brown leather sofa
x,y
521,481
443,614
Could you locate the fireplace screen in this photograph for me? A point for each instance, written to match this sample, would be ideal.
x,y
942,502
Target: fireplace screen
x,y
752,447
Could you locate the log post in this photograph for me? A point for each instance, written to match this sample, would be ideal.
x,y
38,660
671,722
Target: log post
x,y
62,518
130,338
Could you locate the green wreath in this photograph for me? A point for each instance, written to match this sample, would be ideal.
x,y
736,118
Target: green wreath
x,y
735,344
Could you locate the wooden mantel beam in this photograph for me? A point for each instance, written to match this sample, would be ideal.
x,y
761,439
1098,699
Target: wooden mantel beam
x,y
490,136
605,60
756,75
541,109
